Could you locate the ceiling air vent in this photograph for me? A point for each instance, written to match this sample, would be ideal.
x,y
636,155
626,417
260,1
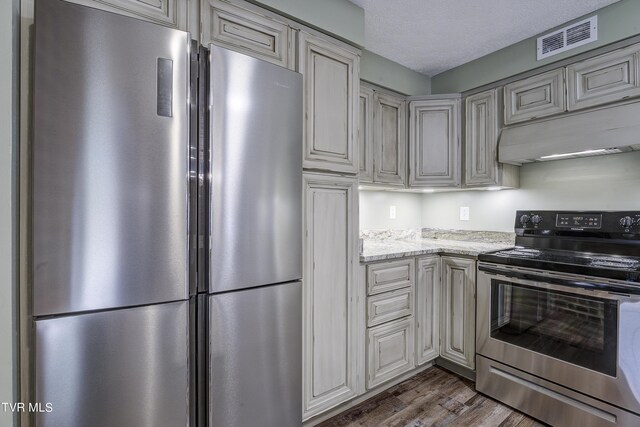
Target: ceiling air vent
x,y
569,37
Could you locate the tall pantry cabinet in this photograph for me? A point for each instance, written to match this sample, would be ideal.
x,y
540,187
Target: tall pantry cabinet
x,y
331,96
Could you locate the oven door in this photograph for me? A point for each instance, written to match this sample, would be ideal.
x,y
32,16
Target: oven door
x,y
567,329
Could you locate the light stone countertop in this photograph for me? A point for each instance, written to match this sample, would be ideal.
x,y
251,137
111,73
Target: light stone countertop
x,y
382,247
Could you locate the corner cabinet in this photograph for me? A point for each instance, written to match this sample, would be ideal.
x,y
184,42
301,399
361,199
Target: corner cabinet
x,y
330,300
331,97
427,309
389,140
457,326
248,30
434,143
481,113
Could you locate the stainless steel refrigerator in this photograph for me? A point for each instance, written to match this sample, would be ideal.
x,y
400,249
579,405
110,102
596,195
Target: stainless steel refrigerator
x,y
166,228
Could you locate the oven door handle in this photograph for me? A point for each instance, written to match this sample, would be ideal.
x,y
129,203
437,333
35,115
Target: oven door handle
x,y
583,284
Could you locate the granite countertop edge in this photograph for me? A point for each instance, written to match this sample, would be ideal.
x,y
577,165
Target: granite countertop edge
x,y
394,249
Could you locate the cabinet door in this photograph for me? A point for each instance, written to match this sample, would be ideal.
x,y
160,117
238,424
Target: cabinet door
x,y
427,309
390,140
605,78
389,351
329,300
170,13
481,139
331,94
535,97
434,143
365,134
457,331
248,32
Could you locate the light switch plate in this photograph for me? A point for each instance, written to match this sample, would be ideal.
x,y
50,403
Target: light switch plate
x,y
392,212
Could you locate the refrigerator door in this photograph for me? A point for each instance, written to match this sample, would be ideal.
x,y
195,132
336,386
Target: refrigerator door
x,y
256,172
110,161
256,357
124,367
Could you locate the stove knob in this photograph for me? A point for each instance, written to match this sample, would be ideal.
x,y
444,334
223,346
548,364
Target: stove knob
x,y
524,219
626,222
536,219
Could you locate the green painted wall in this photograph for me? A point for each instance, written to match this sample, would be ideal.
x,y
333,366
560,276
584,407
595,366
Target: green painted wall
x,y
338,17
8,21
383,72
345,20
615,22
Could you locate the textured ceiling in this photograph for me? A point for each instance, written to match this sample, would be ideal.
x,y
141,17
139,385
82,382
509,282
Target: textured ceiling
x,y
432,36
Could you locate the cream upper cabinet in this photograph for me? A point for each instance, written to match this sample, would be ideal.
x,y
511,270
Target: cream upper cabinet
x,y
535,97
250,31
365,134
434,143
427,309
330,319
389,140
170,13
605,78
457,325
331,97
481,144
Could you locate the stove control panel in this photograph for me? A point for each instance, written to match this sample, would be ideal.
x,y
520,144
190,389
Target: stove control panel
x,y
624,223
580,221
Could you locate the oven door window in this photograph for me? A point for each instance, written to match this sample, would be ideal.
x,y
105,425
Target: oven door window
x,y
574,328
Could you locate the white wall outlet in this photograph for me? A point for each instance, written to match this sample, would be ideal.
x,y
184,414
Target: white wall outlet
x,y
392,212
464,213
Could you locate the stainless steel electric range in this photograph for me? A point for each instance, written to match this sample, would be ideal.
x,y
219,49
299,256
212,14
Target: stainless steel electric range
x,y
558,318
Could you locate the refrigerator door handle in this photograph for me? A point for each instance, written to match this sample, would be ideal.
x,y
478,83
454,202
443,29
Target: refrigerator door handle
x,y
165,87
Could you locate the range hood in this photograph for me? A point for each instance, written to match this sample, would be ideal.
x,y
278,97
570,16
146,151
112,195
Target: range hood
x,y
602,131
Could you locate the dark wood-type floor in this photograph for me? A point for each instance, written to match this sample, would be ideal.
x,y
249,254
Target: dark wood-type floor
x,y
434,397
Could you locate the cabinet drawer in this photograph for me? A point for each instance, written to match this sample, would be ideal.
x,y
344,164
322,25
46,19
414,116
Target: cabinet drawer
x,y
603,79
248,32
389,276
389,351
388,306
535,97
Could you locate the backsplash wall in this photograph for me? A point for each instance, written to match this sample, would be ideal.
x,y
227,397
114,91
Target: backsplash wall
x,y
610,182
374,210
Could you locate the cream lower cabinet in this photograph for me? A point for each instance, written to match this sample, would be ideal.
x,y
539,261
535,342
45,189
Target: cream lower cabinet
x,y
330,321
457,321
427,309
389,351
390,308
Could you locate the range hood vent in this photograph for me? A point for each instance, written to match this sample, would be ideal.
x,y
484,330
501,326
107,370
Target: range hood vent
x,y
592,133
